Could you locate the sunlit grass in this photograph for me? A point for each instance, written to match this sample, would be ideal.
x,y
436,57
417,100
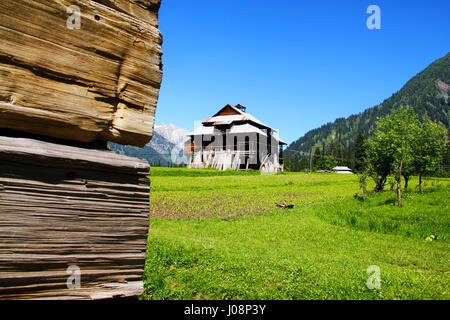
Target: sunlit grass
x,y
222,237
225,196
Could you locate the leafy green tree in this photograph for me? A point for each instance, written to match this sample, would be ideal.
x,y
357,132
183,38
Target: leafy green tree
x,y
403,146
403,127
380,158
444,169
429,148
329,162
392,146
407,172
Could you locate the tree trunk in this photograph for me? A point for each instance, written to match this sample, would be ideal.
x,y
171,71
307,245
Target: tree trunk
x,y
380,183
420,182
399,191
406,181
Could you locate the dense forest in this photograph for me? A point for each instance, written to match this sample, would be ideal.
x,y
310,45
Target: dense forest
x,y
335,143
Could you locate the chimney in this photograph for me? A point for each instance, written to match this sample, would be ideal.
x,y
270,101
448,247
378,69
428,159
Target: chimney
x,y
240,107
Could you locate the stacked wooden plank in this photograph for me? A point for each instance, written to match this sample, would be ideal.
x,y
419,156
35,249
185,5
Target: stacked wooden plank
x,y
62,206
73,215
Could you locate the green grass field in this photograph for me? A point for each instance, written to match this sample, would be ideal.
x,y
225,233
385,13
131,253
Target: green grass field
x,y
219,235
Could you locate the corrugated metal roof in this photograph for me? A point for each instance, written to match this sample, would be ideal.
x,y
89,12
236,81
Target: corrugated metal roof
x,y
204,130
279,140
245,128
241,116
342,169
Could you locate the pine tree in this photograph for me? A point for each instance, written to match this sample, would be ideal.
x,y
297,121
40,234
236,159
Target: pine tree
x,y
348,156
317,159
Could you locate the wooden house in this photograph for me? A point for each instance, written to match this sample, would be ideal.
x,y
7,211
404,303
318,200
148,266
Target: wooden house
x,y
234,139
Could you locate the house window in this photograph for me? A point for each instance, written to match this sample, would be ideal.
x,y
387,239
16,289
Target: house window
x,y
235,143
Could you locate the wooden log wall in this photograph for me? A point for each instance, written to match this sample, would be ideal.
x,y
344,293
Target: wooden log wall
x,y
63,206
98,82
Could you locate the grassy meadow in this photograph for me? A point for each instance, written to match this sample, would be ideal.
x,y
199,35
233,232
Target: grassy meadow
x,y
219,235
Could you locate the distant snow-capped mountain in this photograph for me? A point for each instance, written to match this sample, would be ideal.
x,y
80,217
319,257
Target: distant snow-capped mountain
x,y
171,132
169,139
166,147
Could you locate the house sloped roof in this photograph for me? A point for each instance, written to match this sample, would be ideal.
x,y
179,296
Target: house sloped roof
x,y
204,131
279,140
342,168
239,115
246,128
230,114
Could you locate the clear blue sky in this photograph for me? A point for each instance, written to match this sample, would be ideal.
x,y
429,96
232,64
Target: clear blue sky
x,y
294,64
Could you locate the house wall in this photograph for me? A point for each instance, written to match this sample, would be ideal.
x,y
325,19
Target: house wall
x,y
259,148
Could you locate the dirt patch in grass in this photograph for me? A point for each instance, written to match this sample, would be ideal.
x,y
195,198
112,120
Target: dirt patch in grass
x,y
217,205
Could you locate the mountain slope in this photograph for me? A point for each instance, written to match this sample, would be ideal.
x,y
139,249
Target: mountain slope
x,y
427,93
172,133
165,148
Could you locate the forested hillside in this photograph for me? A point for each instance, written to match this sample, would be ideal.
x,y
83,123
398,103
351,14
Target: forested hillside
x,y
426,93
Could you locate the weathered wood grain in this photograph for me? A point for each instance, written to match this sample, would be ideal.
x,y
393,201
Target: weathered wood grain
x,y
63,205
100,82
